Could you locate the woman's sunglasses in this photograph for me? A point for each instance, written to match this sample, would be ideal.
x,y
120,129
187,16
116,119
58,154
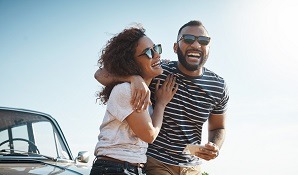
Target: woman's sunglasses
x,y
190,39
150,51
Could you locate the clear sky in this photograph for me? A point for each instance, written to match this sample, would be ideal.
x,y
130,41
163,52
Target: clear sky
x,y
49,51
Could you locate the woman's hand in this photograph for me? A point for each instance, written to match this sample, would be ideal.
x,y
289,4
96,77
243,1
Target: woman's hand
x,y
165,93
147,127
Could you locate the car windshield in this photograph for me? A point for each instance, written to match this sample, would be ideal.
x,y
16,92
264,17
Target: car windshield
x,y
31,134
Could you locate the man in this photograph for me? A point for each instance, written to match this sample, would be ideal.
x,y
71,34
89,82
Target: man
x,y
202,96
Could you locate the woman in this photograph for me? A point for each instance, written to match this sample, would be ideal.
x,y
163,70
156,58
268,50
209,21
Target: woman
x,y
125,132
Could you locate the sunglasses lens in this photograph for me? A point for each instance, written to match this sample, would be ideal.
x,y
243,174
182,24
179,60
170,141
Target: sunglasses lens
x,y
189,39
149,53
158,49
203,40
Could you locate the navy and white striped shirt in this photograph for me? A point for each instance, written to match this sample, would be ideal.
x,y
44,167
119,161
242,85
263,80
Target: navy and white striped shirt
x,y
185,114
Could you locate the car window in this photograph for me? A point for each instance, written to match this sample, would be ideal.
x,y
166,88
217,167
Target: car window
x,y
4,136
20,132
32,133
44,138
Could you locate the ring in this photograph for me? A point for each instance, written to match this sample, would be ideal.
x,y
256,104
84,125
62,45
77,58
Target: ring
x,y
217,153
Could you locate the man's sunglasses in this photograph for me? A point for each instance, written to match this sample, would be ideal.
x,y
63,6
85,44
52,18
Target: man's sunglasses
x,y
190,39
150,51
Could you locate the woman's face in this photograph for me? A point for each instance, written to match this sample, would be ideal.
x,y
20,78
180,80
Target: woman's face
x,y
148,61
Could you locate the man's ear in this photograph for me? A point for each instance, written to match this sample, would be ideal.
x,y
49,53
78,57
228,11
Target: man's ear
x,y
175,47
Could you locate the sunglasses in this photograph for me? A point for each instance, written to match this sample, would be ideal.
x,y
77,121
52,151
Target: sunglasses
x,y
190,39
150,51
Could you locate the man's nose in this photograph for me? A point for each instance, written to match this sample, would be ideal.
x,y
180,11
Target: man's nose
x,y
196,44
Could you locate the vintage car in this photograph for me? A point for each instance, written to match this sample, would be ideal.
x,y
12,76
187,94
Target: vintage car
x,y
32,143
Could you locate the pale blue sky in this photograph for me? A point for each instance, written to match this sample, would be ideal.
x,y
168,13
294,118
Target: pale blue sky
x,y
49,51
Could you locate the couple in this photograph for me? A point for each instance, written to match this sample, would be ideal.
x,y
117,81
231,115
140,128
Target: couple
x,y
177,115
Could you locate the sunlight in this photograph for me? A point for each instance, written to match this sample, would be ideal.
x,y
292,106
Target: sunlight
x,y
275,20
288,27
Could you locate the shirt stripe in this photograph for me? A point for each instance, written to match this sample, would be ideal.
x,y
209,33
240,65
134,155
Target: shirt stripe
x,y
185,114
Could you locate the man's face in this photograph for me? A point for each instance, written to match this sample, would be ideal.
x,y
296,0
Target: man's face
x,y
192,56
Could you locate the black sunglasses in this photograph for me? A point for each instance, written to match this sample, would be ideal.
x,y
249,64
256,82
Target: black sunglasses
x,y
150,51
190,39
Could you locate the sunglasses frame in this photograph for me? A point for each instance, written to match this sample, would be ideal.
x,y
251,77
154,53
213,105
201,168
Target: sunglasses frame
x,y
196,38
150,51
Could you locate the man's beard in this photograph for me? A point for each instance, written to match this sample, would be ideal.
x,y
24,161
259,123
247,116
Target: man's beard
x,y
188,66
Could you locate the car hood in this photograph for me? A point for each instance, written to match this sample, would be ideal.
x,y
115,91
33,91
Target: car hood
x,y
36,167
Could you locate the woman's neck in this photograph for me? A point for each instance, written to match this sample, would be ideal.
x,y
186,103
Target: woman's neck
x,y
148,81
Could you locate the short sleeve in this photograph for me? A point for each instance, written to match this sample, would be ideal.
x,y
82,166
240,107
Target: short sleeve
x,y
222,106
119,101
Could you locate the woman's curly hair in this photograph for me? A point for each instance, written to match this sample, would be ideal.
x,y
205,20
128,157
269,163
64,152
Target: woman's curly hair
x,y
118,57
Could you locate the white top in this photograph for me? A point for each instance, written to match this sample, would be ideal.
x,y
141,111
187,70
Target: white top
x,y
116,139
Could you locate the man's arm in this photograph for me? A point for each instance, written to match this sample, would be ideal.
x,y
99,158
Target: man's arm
x,y
216,129
140,91
105,78
216,137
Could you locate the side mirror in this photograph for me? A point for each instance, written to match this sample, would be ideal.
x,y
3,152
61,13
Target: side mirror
x,y
83,157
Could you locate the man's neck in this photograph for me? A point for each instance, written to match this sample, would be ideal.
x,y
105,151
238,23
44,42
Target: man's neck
x,y
195,73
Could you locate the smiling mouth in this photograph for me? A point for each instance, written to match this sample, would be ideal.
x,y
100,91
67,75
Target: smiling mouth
x,y
156,64
196,54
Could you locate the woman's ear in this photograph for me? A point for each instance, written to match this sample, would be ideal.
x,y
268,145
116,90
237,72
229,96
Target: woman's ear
x,y
175,47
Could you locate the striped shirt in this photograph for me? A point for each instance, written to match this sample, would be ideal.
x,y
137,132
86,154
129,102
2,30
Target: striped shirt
x,y
185,114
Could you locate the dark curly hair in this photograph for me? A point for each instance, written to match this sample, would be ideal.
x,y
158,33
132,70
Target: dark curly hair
x,y
118,57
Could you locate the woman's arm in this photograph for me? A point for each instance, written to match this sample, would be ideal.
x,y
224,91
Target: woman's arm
x,y
146,127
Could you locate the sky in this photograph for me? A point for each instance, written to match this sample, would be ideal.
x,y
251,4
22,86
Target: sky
x,y
49,51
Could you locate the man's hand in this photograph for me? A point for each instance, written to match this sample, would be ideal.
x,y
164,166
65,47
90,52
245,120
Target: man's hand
x,y
140,93
208,152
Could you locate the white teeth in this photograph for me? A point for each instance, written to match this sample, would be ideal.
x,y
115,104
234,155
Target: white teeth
x,y
194,54
155,64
